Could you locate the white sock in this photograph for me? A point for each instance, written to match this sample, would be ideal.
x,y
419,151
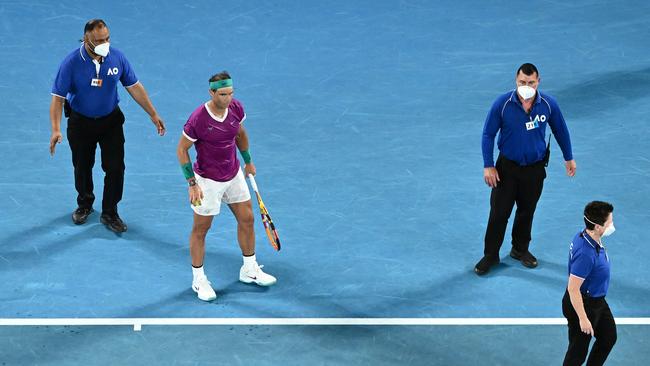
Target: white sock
x,y
250,262
197,272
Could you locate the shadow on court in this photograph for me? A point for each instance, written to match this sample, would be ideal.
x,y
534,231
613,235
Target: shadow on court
x,y
604,91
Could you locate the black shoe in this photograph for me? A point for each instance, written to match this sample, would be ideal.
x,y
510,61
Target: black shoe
x,y
527,259
80,215
113,222
483,266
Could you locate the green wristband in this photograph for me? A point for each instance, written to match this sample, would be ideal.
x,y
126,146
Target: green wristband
x,y
246,155
188,172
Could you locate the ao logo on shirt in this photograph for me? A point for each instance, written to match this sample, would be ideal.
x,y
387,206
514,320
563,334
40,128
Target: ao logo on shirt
x,y
535,122
113,71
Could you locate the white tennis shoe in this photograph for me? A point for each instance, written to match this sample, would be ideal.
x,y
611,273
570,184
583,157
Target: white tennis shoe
x,y
203,289
254,274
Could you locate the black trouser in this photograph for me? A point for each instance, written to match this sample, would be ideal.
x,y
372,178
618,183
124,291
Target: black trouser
x,y
83,135
604,327
518,184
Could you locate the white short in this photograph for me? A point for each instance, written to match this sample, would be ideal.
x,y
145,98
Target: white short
x,y
232,191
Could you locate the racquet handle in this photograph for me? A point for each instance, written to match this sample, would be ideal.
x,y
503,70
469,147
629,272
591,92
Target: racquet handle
x,y
253,184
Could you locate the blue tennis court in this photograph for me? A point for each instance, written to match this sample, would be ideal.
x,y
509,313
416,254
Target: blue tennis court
x,y
365,121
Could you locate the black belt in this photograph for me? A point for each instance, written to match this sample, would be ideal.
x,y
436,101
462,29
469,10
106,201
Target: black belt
x,y
69,112
592,299
535,164
587,298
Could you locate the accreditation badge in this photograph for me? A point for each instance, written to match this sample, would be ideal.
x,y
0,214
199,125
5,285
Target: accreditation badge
x,y
531,125
96,83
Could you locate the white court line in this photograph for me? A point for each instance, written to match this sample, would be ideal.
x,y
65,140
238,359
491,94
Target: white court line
x,y
137,323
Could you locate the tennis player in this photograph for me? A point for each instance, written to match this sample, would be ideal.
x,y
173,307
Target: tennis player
x,y
215,128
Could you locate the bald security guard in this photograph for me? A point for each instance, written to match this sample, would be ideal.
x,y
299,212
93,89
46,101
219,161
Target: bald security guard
x,y
86,88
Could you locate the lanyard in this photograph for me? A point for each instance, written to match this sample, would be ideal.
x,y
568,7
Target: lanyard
x,y
97,66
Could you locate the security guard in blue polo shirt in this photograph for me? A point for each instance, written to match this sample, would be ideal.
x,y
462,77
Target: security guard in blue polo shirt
x,y
584,303
86,88
520,117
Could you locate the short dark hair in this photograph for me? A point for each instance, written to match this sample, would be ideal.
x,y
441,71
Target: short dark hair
x,y
528,69
220,76
93,24
597,212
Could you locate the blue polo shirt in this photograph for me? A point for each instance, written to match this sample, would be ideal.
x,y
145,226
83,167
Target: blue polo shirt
x,y
522,135
589,260
76,72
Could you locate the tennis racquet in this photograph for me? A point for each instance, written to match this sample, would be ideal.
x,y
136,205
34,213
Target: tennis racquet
x,y
272,234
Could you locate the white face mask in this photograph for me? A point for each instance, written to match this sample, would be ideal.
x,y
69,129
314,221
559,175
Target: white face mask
x,y
102,49
609,230
526,92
